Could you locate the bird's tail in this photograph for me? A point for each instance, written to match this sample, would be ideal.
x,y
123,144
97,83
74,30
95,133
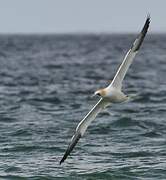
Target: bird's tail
x,y
72,144
132,97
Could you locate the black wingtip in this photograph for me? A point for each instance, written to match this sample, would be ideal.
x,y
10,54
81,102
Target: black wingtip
x,y
139,40
146,26
72,144
62,160
148,19
148,16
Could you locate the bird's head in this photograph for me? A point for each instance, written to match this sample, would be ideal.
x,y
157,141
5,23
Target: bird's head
x,y
100,92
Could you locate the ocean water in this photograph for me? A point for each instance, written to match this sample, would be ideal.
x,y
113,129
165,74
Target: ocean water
x,y
46,83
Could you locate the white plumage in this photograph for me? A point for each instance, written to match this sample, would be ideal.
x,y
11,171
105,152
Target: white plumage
x,y
110,94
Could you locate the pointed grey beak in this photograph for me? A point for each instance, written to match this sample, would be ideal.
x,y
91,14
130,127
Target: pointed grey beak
x,y
72,144
93,95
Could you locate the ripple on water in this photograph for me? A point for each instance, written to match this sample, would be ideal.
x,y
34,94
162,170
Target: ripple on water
x,y
45,88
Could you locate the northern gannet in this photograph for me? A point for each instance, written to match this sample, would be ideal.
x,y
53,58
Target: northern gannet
x,y
111,94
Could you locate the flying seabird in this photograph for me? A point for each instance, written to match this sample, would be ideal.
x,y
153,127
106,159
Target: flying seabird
x,y
111,94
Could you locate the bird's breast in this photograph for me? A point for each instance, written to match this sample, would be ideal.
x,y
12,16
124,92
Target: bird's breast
x,y
115,96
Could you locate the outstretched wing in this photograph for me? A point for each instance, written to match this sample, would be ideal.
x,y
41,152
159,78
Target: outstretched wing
x,y
117,81
83,125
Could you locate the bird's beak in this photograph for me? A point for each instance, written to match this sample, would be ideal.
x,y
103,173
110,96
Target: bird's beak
x,y
93,95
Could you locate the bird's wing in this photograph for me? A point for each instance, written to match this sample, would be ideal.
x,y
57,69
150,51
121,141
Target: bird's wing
x,y
83,125
117,81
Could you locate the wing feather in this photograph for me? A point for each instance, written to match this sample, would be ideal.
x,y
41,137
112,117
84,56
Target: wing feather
x,y
117,81
83,125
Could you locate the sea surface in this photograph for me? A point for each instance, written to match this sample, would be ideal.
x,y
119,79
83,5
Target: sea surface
x,y
46,83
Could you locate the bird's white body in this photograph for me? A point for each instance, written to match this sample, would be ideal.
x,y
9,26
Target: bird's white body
x,y
114,95
111,94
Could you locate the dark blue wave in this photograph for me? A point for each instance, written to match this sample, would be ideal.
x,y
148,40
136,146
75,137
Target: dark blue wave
x,y
46,83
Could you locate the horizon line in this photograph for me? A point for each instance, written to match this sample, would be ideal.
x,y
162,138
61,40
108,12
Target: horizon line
x,y
79,33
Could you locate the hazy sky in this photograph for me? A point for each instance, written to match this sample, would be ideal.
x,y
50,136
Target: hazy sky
x,y
62,16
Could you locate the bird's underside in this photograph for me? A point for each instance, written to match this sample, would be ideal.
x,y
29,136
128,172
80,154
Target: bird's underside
x,y
111,94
